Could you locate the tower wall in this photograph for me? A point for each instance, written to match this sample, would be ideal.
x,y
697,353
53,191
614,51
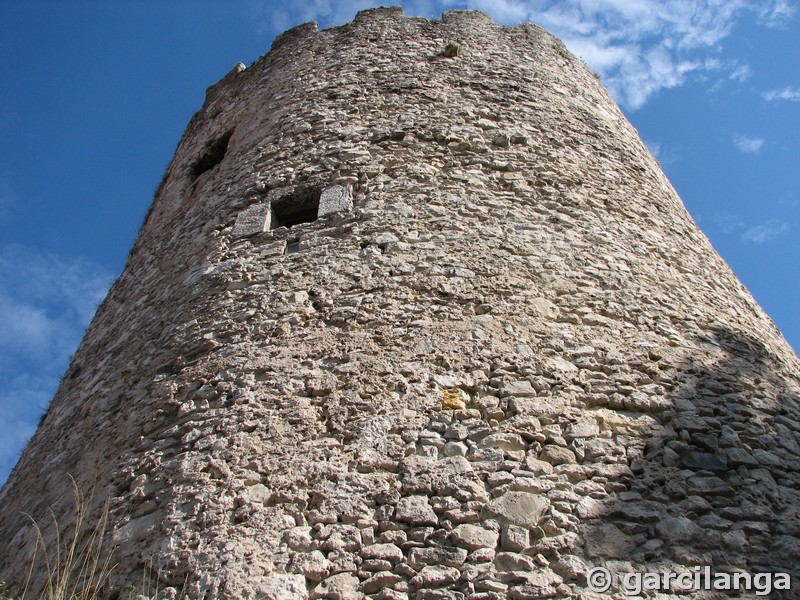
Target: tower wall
x,y
491,352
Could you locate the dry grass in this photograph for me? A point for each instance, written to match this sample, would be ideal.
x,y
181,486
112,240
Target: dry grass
x,y
75,569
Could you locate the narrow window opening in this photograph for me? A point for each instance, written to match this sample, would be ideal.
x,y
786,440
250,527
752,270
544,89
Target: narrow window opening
x,y
292,248
300,206
215,152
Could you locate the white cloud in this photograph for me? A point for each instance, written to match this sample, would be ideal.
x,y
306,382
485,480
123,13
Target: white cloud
x,y
776,13
665,156
748,144
728,222
788,93
741,73
652,45
504,11
46,302
23,399
638,46
765,232
757,234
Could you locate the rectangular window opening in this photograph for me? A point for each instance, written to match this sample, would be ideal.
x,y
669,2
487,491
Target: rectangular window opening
x,y
299,206
213,155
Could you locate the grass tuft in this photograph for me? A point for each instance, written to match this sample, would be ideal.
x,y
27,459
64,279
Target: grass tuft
x,y
75,569
451,50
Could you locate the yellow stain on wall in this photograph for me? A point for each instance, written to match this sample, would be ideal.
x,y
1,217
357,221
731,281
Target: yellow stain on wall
x,y
454,398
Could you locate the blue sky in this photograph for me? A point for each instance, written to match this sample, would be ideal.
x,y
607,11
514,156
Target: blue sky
x,y
95,95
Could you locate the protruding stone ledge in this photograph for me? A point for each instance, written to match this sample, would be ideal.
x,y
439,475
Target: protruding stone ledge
x,y
292,205
382,12
466,16
295,33
252,221
335,199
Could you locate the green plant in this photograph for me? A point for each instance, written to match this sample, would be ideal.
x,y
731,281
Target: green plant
x,y
451,50
562,50
78,567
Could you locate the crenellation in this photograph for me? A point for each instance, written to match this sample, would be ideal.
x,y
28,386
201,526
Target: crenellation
x,y
296,34
379,15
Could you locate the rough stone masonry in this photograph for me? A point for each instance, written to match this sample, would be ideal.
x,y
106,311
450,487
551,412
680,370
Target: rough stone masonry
x,y
416,315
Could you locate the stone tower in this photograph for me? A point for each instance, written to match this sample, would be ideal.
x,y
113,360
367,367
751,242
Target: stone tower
x,y
416,315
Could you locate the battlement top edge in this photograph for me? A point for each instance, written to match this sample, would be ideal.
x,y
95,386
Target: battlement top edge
x,y
298,31
380,12
384,13
470,19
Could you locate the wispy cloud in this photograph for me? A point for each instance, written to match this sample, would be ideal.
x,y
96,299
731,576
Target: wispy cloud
x,y
22,400
789,93
727,222
740,73
642,47
765,232
775,14
747,144
638,46
665,156
46,302
755,234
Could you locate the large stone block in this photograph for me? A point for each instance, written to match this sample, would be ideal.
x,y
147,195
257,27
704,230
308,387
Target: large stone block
x,y
517,508
335,199
252,220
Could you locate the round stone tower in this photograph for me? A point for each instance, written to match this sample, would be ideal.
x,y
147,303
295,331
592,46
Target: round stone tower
x,y
415,315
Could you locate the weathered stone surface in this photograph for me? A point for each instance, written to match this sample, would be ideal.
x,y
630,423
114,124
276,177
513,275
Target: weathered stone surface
x,y
416,510
337,198
473,537
435,576
284,587
585,428
483,334
389,594
512,561
300,538
251,221
557,455
451,557
517,508
709,486
389,552
704,461
343,586
514,538
539,583
379,582
312,565
645,512
677,529
739,457
340,538
537,466
522,389
504,441
607,541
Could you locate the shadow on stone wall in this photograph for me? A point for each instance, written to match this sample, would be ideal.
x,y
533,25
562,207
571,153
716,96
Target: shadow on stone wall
x,y
718,484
